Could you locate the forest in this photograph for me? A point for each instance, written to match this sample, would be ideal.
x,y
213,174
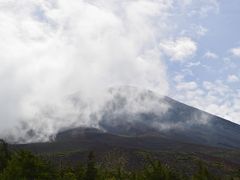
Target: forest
x,y
24,165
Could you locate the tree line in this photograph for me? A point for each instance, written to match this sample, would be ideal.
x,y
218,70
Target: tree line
x,y
24,165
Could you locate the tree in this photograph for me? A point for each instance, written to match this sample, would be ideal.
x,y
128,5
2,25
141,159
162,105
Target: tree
x,y
155,170
115,163
80,171
25,165
91,172
203,173
4,154
68,174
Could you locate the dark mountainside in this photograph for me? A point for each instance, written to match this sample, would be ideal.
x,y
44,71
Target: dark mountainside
x,y
178,136
133,112
180,123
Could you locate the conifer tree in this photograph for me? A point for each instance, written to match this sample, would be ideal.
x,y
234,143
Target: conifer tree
x,y
91,172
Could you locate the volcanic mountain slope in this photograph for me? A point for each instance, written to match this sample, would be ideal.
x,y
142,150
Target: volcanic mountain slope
x,y
71,147
134,112
162,116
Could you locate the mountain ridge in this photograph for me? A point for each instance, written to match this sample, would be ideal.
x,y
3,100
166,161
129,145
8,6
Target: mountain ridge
x,y
137,112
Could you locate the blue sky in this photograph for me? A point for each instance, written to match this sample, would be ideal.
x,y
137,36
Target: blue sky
x,y
213,62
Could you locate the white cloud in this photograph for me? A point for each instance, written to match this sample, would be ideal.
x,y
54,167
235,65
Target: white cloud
x,y
214,97
193,64
235,51
51,50
201,31
210,55
229,64
195,30
180,49
233,78
179,78
186,86
200,8
211,6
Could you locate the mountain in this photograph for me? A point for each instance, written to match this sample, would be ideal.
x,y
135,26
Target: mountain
x,y
167,118
134,122
71,147
135,112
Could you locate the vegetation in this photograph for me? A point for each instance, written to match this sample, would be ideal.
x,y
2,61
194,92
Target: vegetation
x,y
23,165
4,155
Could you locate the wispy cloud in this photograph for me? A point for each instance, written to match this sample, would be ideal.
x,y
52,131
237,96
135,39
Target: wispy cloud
x,y
180,49
214,97
233,78
210,55
235,52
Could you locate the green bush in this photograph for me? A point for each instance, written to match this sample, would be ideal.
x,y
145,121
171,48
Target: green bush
x,y
4,154
156,171
203,173
25,165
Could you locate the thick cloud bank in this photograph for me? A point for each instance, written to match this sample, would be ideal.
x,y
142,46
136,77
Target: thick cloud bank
x,y
59,57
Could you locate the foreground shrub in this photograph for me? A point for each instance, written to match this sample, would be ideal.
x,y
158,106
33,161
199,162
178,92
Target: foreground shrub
x,y
25,165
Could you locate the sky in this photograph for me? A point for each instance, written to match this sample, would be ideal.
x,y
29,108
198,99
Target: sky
x,y
211,80
54,53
